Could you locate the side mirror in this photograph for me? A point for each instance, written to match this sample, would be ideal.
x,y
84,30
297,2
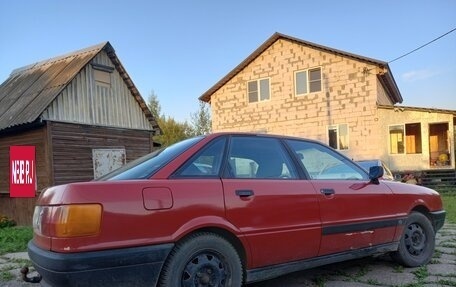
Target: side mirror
x,y
375,172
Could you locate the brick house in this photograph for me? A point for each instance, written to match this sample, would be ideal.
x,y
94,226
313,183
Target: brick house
x,y
294,87
82,113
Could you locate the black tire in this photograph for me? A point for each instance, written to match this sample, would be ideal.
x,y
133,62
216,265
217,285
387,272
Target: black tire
x,y
203,259
417,242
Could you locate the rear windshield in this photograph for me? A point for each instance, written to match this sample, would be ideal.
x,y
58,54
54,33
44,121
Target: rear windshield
x,y
144,167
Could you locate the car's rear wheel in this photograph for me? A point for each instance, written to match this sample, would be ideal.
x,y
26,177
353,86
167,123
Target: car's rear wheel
x,y
203,259
417,242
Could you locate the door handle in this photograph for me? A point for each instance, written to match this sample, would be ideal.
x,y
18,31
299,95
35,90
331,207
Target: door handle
x,y
327,191
244,192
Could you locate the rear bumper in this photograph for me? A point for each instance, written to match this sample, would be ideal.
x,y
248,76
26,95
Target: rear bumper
x,y
138,266
438,219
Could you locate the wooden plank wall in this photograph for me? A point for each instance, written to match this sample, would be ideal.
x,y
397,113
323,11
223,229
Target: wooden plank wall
x,y
72,146
71,157
21,209
83,101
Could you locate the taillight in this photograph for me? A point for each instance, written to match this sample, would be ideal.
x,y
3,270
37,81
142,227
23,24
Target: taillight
x,y
68,220
77,220
40,215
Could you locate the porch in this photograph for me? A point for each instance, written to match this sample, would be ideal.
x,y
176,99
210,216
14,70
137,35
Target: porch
x,y
439,179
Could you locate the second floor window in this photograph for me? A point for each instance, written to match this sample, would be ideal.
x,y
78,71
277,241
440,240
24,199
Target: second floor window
x,y
307,81
258,90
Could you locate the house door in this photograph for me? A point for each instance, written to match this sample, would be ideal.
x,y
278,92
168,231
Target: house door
x,y
439,145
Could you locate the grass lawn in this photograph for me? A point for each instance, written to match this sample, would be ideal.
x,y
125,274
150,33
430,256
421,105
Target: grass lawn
x,y
449,203
14,239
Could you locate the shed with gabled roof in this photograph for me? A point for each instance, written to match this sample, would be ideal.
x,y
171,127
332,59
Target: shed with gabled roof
x,y
78,110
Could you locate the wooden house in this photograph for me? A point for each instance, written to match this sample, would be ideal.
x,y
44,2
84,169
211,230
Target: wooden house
x,y
82,113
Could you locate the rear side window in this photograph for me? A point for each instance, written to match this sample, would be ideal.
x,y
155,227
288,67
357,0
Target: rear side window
x,y
206,163
259,158
144,167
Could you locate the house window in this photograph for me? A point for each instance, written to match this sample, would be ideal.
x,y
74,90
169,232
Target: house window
x,y
258,90
338,136
413,138
102,74
308,81
405,138
396,139
102,78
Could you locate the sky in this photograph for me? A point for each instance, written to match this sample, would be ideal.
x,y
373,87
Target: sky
x,y
180,49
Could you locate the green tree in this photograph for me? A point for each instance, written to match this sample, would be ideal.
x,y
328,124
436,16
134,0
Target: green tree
x,y
154,105
172,131
201,120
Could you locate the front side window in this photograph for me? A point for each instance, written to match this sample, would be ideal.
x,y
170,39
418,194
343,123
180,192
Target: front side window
x,y
307,81
405,138
321,162
259,158
338,136
258,90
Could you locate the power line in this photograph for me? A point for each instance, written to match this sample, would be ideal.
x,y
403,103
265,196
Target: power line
x,y
422,46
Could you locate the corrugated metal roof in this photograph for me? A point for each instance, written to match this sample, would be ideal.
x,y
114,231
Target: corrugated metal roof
x,y
386,79
31,89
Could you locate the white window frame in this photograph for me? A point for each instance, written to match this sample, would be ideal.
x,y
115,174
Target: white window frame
x,y
337,128
259,90
307,81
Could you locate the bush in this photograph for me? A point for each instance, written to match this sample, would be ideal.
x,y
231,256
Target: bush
x,y
6,222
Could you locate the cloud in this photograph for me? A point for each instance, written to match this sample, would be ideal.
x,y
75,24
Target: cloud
x,y
418,75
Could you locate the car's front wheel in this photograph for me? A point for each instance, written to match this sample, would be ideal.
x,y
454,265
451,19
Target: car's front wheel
x,y
203,259
417,242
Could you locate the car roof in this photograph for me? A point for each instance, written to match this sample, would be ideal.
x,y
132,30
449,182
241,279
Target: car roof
x,y
219,134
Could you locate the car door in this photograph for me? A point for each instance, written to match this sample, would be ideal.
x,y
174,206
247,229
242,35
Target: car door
x,y
355,213
275,210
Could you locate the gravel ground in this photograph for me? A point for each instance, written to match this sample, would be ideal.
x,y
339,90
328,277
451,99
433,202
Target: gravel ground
x,y
371,271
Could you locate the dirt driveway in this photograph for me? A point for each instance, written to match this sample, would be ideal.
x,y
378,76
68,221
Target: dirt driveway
x,y
381,271
371,271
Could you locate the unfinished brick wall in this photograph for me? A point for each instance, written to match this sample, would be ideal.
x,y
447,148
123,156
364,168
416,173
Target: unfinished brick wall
x,y
350,92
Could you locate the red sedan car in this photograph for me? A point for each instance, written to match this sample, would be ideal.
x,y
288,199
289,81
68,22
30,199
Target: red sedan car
x,y
228,209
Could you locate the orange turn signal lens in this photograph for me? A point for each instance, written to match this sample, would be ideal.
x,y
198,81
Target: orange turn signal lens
x,y
77,220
